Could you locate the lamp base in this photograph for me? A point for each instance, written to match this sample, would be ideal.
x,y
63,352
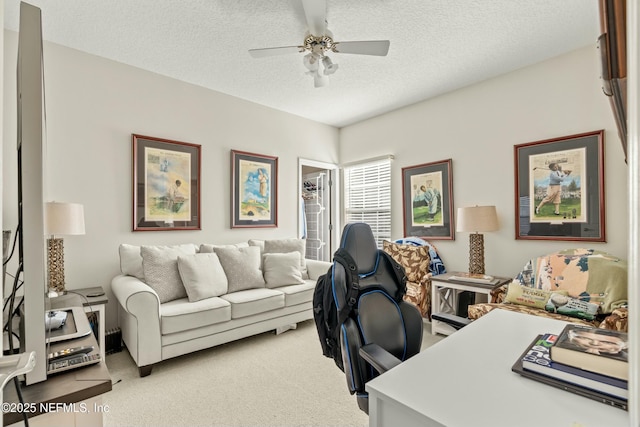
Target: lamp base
x,y
55,263
476,253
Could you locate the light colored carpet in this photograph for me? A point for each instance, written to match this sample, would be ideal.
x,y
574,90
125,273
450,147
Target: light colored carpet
x,y
265,380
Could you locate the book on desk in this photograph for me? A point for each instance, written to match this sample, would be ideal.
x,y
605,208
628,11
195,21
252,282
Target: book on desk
x,y
593,349
535,363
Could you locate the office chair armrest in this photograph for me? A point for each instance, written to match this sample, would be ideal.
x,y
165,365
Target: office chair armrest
x,y
454,321
378,357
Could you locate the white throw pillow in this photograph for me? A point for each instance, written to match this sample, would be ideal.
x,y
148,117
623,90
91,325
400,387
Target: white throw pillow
x,y
209,248
289,245
241,266
202,276
131,261
282,269
160,265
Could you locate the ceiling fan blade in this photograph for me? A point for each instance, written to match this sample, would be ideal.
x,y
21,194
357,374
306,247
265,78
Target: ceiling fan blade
x,y
273,51
316,13
372,47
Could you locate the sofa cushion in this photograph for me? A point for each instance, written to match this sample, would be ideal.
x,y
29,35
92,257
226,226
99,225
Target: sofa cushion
x,y
298,294
286,246
209,248
241,266
258,243
586,274
282,269
131,259
254,301
202,276
160,265
182,315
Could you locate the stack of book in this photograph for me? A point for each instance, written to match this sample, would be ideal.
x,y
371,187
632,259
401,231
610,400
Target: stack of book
x,y
584,360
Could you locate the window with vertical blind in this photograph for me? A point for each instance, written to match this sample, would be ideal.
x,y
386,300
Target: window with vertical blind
x,y
367,196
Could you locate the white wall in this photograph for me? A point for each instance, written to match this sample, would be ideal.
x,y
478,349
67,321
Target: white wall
x,y
477,127
93,105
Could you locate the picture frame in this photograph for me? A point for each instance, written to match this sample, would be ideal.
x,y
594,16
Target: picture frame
x,y
254,190
427,194
559,188
166,184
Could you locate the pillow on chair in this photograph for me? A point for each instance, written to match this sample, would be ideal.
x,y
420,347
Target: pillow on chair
x,y
586,274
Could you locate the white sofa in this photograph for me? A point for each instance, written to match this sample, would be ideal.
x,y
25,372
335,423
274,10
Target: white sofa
x,y
159,323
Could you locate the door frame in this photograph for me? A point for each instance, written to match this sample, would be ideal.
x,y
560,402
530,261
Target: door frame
x,y
334,199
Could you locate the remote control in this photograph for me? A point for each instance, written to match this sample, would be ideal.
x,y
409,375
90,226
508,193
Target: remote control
x,y
68,352
72,362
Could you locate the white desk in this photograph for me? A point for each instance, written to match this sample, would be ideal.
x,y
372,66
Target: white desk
x,y
466,380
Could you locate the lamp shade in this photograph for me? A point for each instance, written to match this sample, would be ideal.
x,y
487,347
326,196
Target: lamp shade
x,y
64,218
477,219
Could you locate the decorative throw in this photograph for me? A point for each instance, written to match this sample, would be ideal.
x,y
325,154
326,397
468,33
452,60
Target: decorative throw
x,y
436,266
586,274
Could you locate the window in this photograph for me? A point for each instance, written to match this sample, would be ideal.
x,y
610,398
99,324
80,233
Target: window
x,y
367,196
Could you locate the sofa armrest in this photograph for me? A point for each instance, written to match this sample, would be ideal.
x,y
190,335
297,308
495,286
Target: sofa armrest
x,y
498,294
139,318
317,268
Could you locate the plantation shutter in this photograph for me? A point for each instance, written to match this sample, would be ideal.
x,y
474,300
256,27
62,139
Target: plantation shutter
x,y
367,196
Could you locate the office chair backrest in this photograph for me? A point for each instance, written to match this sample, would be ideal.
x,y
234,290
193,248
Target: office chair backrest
x,y
380,315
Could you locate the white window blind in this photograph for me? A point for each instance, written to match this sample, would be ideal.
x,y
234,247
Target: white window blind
x,y
367,196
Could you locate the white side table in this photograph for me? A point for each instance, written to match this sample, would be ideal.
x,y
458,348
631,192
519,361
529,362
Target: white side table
x,y
444,297
94,300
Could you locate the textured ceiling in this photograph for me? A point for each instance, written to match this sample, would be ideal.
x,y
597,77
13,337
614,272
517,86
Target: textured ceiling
x,y
436,45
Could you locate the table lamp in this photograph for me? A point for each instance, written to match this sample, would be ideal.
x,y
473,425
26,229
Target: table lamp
x,y
60,219
475,220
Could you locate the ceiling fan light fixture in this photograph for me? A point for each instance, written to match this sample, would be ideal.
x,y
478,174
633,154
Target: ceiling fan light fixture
x,y
319,80
329,66
311,62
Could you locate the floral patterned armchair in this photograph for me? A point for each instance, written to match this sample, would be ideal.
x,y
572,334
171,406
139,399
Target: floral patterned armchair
x,y
420,260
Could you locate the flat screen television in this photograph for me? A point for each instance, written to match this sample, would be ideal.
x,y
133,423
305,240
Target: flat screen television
x,y
31,238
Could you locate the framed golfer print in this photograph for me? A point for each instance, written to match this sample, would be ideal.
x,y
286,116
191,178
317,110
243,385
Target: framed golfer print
x,y
427,192
559,188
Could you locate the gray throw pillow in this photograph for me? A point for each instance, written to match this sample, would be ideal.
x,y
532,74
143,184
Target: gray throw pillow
x,y
242,267
286,246
202,276
282,269
160,265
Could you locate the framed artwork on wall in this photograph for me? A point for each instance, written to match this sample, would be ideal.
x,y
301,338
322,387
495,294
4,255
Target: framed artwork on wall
x,y
254,190
427,192
559,188
166,184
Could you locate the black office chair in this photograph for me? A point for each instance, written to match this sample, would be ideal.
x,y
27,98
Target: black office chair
x,y
383,330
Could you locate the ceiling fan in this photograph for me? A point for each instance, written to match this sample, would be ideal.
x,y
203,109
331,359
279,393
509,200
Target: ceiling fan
x,y
319,41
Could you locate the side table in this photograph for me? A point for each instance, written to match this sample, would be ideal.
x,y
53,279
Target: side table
x,y
93,300
444,294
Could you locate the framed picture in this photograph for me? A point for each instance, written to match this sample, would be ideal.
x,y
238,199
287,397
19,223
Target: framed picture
x,y
427,193
166,184
254,190
559,192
